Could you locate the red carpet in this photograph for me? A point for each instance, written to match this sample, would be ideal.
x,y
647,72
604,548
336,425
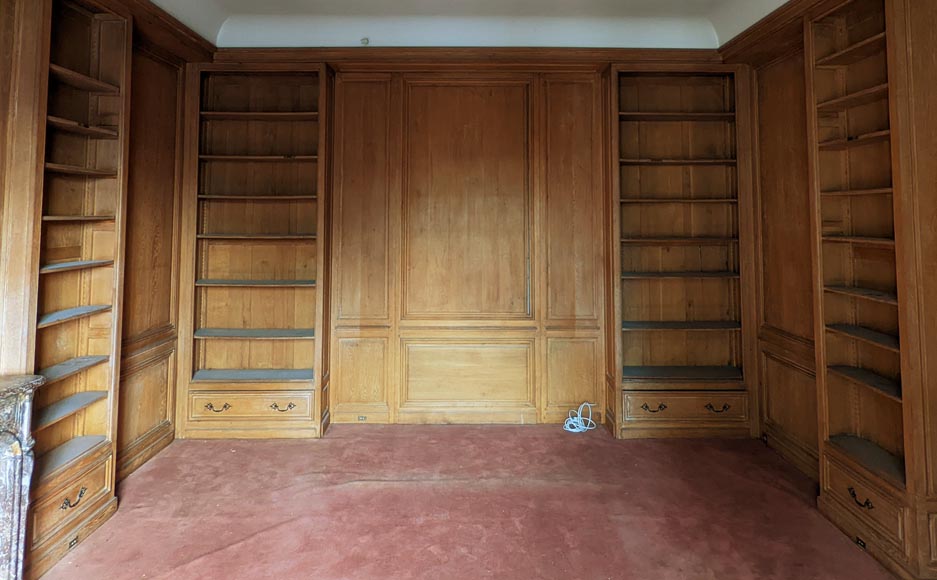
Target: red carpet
x,y
457,502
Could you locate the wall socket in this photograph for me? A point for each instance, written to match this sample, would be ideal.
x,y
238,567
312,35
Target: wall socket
x,y
362,418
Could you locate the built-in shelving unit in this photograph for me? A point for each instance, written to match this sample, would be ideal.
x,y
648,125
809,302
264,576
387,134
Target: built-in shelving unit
x,y
679,246
81,252
858,338
257,247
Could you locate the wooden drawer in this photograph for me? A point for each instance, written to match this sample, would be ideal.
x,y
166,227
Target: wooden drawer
x,y
663,406
875,508
251,406
65,504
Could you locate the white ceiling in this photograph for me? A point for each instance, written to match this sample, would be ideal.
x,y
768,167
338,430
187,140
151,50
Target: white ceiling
x,y
576,23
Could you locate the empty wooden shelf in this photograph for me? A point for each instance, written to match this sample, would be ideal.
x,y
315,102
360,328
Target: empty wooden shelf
x,y
70,126
681,325
867,335
677,275
77,265
81,81
71,367
677,162
856,99
256,333
864,293
256,283
67,407
676,116
69,314
884,385
855,52
681,373
253,375
260,115
61,457
80,171
872,457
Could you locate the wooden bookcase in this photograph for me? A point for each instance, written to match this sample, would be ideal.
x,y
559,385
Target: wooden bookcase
x,y
257,245
678,253
860,357
77,331
859,343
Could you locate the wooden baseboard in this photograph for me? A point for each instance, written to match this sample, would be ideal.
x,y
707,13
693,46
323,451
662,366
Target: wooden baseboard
x,y
807,461
144,449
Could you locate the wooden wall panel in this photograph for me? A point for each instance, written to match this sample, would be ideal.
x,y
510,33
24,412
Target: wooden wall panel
x,y
785,314
488,380
360,366
573,375
790,409
467,200
573,190
451,190
362,200
785,199
148,380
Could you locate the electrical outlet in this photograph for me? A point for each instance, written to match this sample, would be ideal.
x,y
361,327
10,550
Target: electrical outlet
x,y
860,542
73,542
362,418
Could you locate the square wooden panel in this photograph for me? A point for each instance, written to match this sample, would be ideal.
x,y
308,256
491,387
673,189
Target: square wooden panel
x,y
791,401
467,207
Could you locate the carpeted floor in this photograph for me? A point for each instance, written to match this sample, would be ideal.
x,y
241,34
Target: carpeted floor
x,y
457,502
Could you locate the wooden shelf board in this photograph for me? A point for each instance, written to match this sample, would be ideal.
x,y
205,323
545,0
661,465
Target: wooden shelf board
x,y
77,265
81,171
680,241
77,218
858,192
68,314
675,116
67,407
210,283
858,98
677,275
872,457
681,325
71,367
77,128
864,293
866,335
258,197
256,237
260,115
60,457
682,373
861,241
861,140
256,333
260,158
855,52
677,162
81,81
676,200
253,376
882,385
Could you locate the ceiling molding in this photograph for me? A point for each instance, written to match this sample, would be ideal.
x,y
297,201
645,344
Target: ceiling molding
x,y
705,24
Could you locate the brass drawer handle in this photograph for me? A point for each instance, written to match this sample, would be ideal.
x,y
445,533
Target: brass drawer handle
x,y
711,409
647,409
67,503
866,505
288,408
210,407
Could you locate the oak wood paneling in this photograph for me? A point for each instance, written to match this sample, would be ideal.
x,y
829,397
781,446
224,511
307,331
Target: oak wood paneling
x,y
362,198
453,379
467,200
361,368
790,410
573,375
786,271
573,192
149,332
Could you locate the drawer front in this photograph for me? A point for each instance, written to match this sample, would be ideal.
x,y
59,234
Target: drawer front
x,y
63,505
689,407
873,507
251,406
